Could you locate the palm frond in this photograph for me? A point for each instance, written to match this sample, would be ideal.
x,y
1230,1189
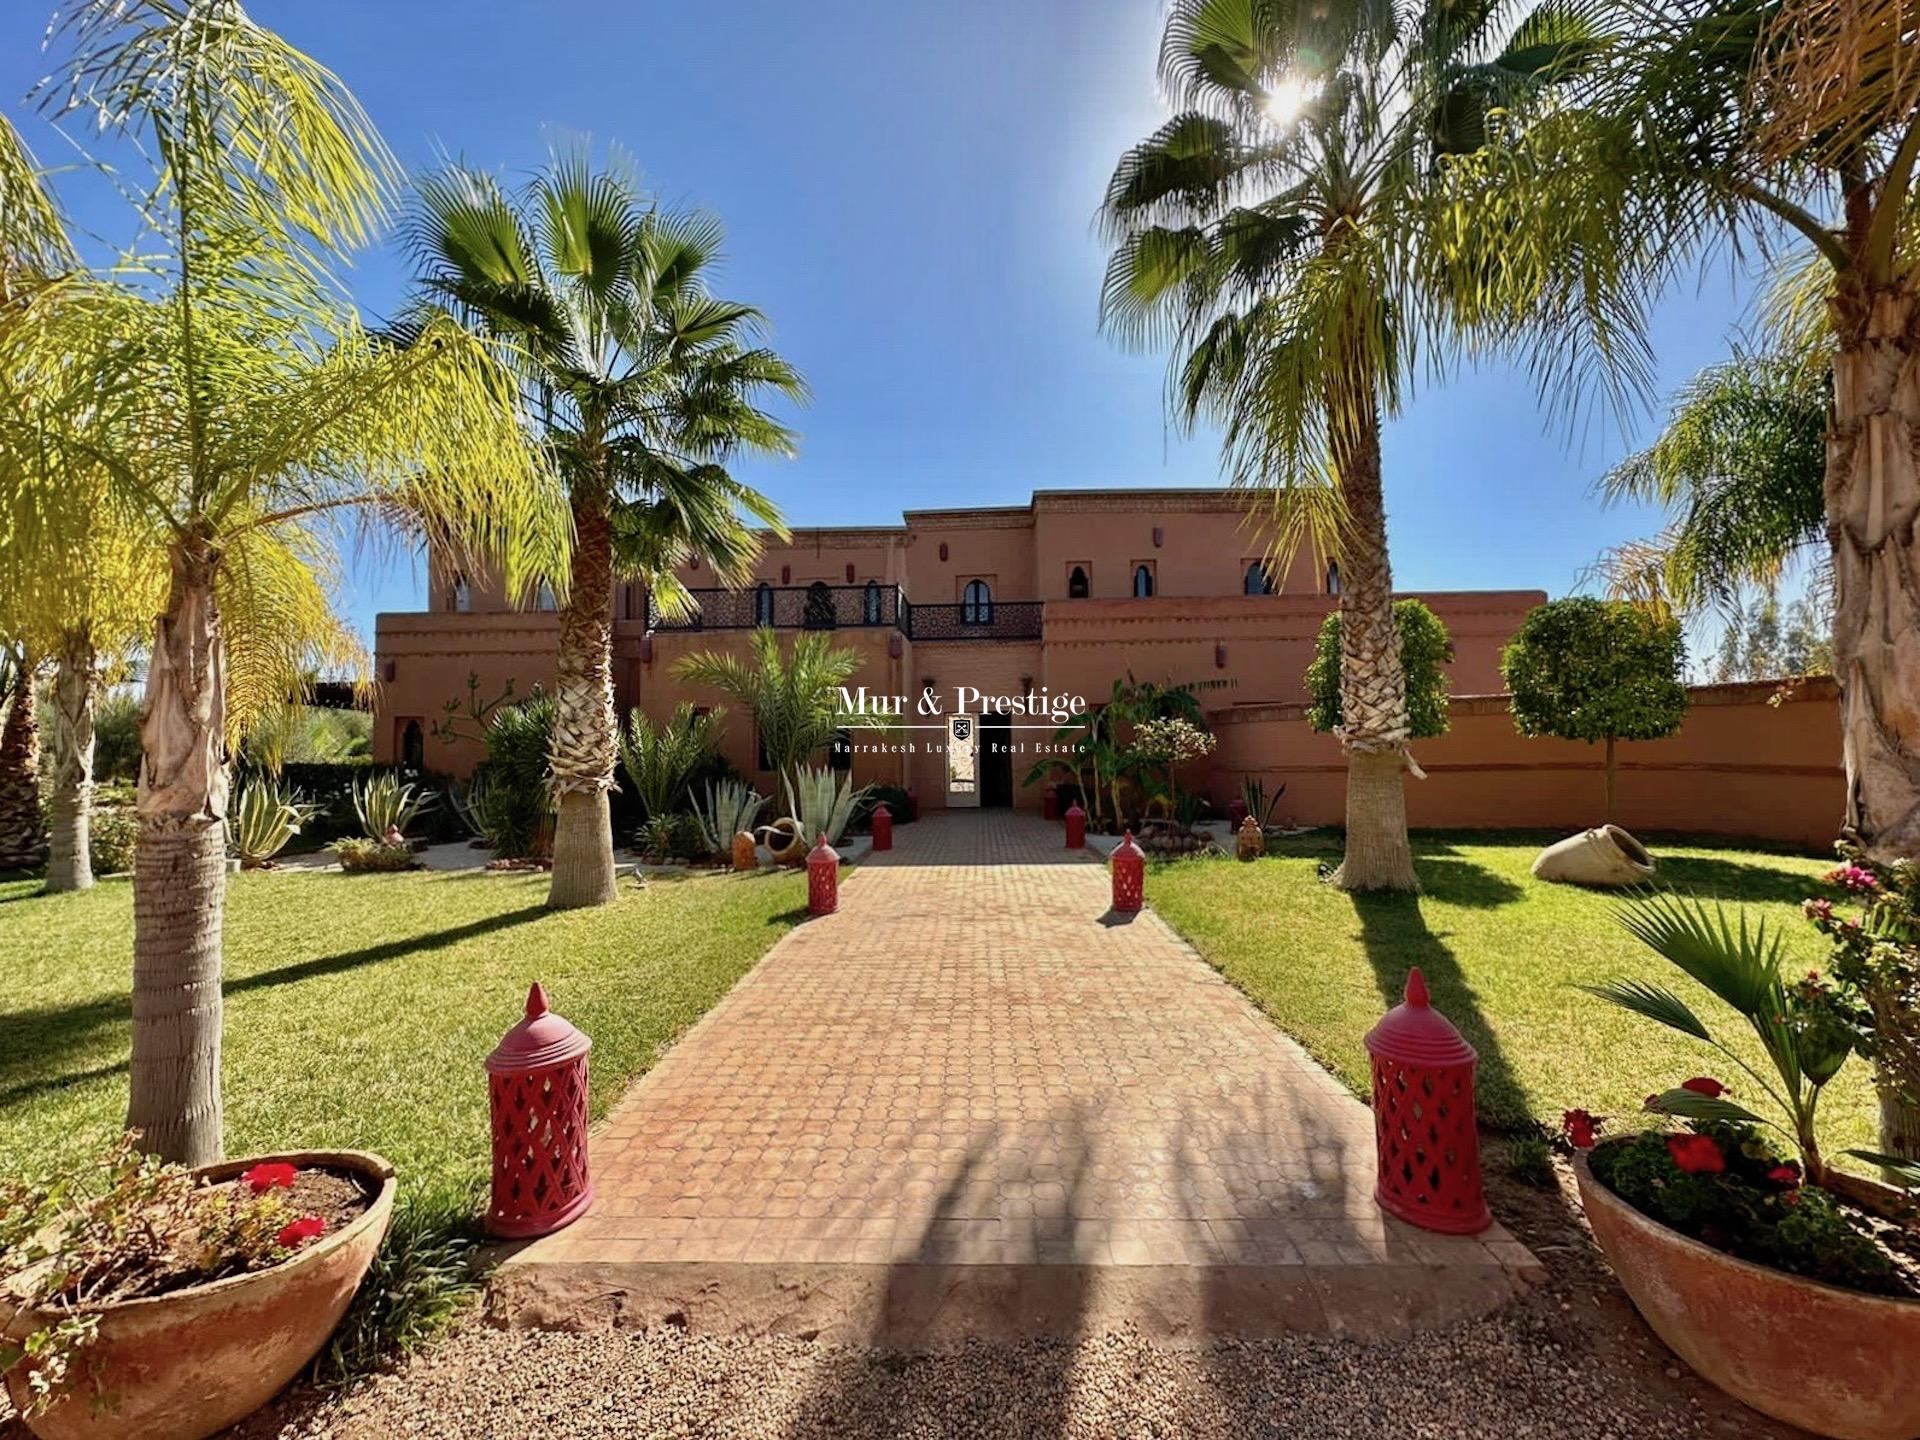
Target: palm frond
x,y
1655,1002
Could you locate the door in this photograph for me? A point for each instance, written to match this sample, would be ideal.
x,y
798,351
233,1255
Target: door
x,y
996,761
963,761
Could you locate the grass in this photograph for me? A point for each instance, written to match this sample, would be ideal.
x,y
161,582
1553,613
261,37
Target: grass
x,y
1502,953
359,1010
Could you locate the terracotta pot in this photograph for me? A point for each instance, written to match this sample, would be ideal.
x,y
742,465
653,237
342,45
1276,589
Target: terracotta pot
x,y
187,1364
1833,1361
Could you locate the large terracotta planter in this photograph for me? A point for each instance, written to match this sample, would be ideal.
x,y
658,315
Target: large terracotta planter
x,y
185,1365
1833,1361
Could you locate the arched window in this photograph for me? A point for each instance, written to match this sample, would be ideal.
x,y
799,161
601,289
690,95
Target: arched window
x,y
413,747
462,594
763,608
1077,583
1143,582
543,598
872,607
1333,577
976,603
818,614
1258,581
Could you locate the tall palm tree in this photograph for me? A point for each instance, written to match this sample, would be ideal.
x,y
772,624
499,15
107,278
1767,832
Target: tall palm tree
x,y
20,833
1749,123
232,401
1275,232
646,384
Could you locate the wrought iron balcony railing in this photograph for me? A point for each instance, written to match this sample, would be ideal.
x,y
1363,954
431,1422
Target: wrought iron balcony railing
x,y
976,620
788,607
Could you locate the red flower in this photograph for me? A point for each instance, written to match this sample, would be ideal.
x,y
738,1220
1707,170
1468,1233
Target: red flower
x,y
1581,1128
1817,910
1786,1173
1704,1085
270,1175
1696,1154
307,1227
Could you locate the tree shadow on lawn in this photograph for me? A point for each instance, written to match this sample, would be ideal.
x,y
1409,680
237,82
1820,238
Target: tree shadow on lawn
x,y
36,1045
1734,880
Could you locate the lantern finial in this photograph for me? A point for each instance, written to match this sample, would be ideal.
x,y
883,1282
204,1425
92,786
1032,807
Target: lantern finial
x,y
1417,989
537,1001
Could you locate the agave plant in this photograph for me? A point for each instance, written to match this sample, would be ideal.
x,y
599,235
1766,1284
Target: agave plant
x,y
1800,1031
384,804
731,806
263,820
820,802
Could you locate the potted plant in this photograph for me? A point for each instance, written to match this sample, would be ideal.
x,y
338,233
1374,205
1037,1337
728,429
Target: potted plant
x,y
168,1303
1789,1286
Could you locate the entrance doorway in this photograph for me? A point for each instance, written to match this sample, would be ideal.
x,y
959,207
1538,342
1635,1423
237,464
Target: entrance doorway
x,y
996,761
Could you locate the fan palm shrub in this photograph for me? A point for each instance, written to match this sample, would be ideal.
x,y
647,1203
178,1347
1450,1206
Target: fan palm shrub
x,y
232,402
661,761
792,691
1277,234
646,385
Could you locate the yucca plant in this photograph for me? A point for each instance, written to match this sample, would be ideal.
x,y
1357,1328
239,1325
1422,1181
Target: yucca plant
x,y
263,820
821,802
385,804
1800,1030
731,806
661,761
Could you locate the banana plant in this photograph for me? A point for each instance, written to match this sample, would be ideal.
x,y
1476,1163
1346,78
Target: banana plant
x,y
1803,1037
820,801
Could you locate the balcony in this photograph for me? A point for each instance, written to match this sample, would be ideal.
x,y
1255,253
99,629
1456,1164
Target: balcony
x,y
788,607
981,620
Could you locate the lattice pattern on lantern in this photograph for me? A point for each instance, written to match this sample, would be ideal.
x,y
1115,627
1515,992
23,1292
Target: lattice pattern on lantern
x,y
1129,867
1429,1149
540,1178
823,879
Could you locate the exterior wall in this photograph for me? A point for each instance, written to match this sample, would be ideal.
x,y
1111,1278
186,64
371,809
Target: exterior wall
x,y
1739,766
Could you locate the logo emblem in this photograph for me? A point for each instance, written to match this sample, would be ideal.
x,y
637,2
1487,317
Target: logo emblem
x,y
962,727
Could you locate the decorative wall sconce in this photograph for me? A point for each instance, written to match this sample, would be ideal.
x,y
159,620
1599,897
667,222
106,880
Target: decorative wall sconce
x,y
1159,537
943,549
389,669
1220,655
646,648
849,573
786,574
896,646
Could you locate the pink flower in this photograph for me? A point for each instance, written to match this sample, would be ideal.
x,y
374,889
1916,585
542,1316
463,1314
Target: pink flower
x,y
1820,910
307,1227
269,1175
1696,1154
1581,1128
1852,877
1704,1085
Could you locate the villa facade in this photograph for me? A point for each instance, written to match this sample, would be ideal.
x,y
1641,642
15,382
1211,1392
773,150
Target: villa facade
x,y
1057,598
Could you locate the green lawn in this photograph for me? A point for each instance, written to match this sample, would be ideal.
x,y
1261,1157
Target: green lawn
x,y
1502,953
359,1007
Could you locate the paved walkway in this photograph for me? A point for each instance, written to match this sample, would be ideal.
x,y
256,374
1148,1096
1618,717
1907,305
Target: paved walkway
x,y
974,1101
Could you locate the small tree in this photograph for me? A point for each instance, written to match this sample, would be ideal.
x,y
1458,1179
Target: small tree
x,y
1425,652
1586,669
1171,740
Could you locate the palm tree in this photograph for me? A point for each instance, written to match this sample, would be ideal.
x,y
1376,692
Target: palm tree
x,y
794,697
645,384
20,833
1275,231
232,401
1745,123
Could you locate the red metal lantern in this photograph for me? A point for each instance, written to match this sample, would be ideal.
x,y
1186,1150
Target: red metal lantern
x,y
1076,827
1236,811
823,879
1423,1118
882,827
1050,803
1129,866
913,804
537,1084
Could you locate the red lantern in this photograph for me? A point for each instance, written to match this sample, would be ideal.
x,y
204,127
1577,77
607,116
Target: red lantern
x,y
1050,803
1129,866
1076,827
882,827
823,879
537,1084
1236,811
1429,1145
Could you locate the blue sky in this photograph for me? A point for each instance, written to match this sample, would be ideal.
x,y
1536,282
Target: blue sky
x,y
908,190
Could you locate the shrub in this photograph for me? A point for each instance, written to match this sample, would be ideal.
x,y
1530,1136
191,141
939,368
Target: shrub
x,y
662,761
899,806
384,804
116,736
1426,649
1530,1161
821,802
731,806
357,853
114,832
262,821
509,800
675,837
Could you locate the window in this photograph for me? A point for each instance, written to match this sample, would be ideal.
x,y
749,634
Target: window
x,y
976,603
413,746
1333,577
1077,583
462,594
818,614
872,607
763,608
543,597
1143,582
1258,581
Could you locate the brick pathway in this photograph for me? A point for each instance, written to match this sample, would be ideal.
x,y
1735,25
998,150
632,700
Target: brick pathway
x,y
972,1101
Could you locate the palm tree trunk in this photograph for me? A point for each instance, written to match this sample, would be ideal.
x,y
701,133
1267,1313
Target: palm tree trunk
x,y
584,735
21,838
76,684
180,872
1873,507
1373,690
